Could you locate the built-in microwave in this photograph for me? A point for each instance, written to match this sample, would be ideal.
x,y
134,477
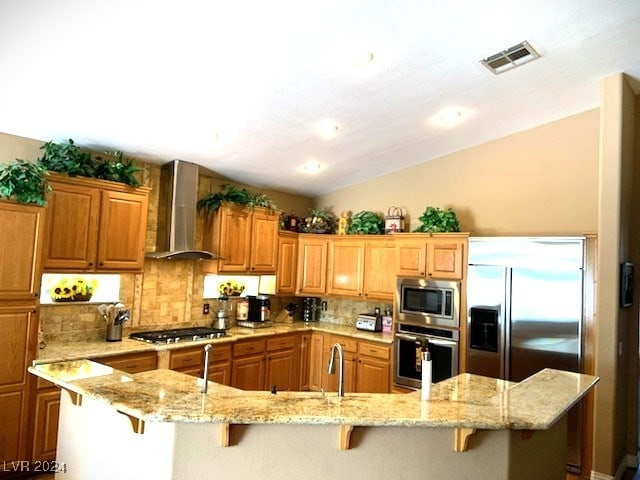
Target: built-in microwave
x,y
420,301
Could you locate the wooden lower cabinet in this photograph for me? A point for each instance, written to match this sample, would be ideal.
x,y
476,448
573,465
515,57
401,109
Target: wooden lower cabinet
x,y
18,337
133,362
316,361
367,366
305,365
247,371
283,363
46,404
373,373
45,415
191,362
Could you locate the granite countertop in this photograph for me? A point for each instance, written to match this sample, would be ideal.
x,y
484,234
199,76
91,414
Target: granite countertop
x,y
466,401
59,351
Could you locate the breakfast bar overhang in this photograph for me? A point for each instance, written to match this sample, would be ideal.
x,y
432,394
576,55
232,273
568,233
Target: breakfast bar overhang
x,y
158,424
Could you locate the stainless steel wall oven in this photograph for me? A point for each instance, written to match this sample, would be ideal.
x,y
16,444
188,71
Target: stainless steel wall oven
x,y
443,345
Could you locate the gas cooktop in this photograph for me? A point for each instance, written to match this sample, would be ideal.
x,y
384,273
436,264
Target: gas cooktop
x,y
176,335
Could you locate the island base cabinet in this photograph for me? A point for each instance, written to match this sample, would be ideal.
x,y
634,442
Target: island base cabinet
x,y
172,451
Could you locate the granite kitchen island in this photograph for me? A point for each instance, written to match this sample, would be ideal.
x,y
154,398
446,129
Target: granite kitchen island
x,y
159,425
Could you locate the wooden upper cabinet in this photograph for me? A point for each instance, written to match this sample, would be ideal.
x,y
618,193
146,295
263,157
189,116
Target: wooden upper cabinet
x,y
287,262
246,239
411,257
264,241
235,238
122,233
445,259
95,225
379,276
438,256
20,252
360,267
346,267
312,265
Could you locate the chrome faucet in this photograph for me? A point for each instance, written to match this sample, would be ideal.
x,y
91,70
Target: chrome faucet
x,y
331,370
205,375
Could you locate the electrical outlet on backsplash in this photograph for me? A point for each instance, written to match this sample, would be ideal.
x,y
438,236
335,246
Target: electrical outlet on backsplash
x,y
345,311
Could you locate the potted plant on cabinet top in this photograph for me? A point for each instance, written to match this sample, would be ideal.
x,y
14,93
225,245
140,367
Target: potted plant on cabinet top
x,y
434,220
69,159
24,182
366,222
231,194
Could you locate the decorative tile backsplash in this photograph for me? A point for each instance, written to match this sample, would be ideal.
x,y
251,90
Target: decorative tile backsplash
x,y
345,312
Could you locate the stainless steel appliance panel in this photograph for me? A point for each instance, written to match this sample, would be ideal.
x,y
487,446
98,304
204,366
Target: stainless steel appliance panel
x,y
444,355
546,314
425,302
534,286
486,292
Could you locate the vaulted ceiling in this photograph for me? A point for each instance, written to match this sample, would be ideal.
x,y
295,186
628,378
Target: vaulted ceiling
x,y
262,91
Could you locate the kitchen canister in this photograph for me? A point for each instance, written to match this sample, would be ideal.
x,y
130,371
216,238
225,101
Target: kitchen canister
x,y
114,332
242,309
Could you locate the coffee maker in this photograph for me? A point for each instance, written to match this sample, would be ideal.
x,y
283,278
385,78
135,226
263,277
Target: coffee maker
x,y
259,308
310,311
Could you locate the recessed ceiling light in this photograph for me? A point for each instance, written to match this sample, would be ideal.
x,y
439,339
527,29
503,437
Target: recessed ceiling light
x,y
312,167
327,129
362,58
449,117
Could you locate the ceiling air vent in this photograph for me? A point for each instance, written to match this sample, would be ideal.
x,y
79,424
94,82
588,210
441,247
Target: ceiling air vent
x,y
511,58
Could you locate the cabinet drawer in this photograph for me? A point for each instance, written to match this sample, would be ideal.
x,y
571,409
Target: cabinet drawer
x,y
248,348
280,342
348,344
133,363
220,353
374,350
185,358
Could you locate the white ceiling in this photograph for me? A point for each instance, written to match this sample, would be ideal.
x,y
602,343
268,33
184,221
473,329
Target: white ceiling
x,y
240,86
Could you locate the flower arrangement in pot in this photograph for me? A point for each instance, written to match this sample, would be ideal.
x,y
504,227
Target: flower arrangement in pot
x,y
366,222
72,290
318,220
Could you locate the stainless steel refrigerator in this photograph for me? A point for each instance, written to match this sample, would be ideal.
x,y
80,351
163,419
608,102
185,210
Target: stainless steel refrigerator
x,y
524,299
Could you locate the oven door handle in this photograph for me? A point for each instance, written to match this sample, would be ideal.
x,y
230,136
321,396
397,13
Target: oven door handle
x,y
403,336
435,341
444,343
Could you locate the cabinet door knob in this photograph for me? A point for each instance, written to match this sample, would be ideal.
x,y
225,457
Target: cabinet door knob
x,y
101,264
91,264
35,294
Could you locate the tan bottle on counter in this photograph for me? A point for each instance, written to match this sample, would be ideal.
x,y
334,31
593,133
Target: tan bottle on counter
x,y
242,309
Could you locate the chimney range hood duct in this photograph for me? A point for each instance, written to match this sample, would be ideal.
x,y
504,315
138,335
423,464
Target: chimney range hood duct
x,y
177,213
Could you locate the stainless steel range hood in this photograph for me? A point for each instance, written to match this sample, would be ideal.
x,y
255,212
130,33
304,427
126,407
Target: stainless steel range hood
x,y
177,213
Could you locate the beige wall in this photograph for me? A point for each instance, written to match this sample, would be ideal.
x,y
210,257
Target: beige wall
x,y
615,347
12,147
539,181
